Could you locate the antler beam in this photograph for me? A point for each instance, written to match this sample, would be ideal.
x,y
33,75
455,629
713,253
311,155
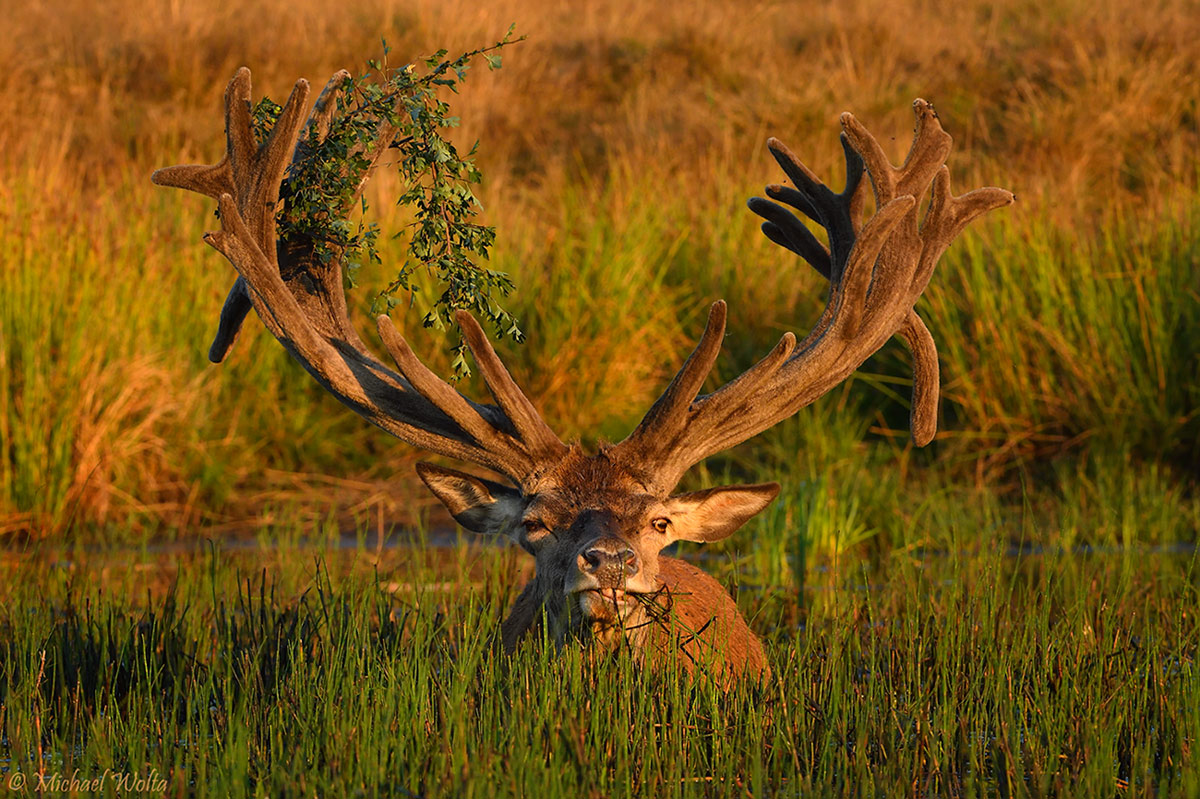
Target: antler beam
x,y
301,301
877,268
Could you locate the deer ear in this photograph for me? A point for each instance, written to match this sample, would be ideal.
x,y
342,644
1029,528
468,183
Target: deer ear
x,y
477,504
715,513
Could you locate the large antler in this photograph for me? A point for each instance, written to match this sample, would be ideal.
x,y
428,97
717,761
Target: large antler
x,y
301,301
876,269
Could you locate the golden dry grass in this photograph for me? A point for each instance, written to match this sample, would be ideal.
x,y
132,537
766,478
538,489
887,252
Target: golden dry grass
x,y
1072,99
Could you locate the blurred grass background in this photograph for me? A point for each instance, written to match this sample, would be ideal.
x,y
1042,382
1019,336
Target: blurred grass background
x,y
618,145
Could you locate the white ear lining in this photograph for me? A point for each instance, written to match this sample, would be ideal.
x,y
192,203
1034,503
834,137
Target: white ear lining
x,y
477,504
716,513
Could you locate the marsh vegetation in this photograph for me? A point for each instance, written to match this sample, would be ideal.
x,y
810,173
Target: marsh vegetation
x,y
1009,611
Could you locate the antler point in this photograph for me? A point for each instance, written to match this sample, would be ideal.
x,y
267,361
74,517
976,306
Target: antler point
x,y
716,315
468,323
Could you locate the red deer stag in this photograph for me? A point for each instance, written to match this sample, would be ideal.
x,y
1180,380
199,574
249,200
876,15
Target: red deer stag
x,y
596,523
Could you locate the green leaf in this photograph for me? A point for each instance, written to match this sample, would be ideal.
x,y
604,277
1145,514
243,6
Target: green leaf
x,y
323,189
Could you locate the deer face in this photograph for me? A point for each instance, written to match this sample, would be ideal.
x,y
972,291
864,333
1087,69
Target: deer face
x,y
596,532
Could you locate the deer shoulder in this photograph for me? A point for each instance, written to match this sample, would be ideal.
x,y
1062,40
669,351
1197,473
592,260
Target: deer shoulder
x,y
709,632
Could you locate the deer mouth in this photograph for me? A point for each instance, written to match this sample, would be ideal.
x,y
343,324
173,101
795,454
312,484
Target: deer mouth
x,y
607,603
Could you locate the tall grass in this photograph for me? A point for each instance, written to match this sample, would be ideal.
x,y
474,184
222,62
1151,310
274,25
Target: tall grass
x,y
110,413
1058,339
619,145
274,675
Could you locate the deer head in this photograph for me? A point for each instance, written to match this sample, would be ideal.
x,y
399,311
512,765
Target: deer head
x,y
596,529
597,523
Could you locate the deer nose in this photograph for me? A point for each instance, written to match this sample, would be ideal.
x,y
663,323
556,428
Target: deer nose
x,y
610,561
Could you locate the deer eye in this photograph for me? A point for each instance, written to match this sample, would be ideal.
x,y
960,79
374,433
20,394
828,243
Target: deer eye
x,y
535,527
661,525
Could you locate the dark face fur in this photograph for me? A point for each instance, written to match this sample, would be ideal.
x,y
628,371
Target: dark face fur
x,y
596,532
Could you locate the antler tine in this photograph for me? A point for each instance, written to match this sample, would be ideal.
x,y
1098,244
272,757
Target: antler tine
x,y
216,179
237,303
723,405
531,428
319,120
860,269
239,135
855,167
465,413
667,416
785,229
270,162
252,175
877,269
949,215
237,243
817,201
923,413
229,324
840,214
924,161
931,144
303,305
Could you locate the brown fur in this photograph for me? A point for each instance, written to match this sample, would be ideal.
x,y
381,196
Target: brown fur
x,y
690,618
662,608
703,630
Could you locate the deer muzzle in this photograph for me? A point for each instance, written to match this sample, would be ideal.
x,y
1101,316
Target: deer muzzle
x,y
609,562
607,572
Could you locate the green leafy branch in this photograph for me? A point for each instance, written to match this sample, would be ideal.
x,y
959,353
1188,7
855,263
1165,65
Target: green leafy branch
x,y
404,105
